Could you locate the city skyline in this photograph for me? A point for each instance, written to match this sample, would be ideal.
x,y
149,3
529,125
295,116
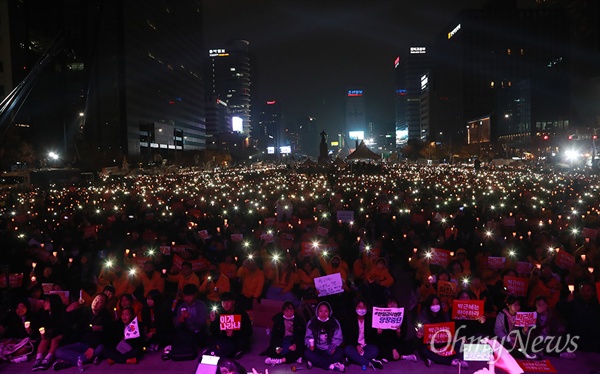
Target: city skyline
x,y
308,53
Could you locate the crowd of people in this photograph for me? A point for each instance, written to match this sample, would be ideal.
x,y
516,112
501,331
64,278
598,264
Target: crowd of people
x,y
176,264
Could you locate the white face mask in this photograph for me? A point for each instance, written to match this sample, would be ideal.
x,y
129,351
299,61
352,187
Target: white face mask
x,y
288,318
435,308
323,320
361,312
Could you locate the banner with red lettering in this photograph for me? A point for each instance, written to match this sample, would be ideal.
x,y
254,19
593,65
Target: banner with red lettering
x,y
177,261
516,286
541,366
467,309
440,257
308,249
230,321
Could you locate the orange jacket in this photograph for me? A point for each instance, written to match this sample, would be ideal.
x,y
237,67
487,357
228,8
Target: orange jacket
x,y
252,283
156,282
182,281
382,276
215,290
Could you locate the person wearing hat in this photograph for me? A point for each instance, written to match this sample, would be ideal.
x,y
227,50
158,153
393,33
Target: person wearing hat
x,y
323,340
229,339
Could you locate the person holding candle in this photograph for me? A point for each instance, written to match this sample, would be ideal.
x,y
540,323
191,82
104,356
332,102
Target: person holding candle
x,y
253,282
323,340
229,342
156,320
183,277
214,284
53,322
396,344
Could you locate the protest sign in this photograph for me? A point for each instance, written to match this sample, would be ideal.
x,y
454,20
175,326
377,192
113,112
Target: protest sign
x,y
165,250
564,259
308,249
329,284
230,321
467,309
525,319
445,288
524,267
322,231
496,263
439,257
541,366
345,216
64,296
439,333
47,287
15,280
516,286
387,318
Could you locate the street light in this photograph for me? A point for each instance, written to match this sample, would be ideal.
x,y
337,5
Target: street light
x,y
53,155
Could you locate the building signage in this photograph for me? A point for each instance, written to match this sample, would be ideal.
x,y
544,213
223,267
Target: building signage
x,y
454,31
418,50
355,93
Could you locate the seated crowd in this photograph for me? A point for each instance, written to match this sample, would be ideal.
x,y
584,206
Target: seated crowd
x,y
187,312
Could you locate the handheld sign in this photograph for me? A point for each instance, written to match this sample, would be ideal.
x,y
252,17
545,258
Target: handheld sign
x,y
467,309
230,321
345,216
445,288
496,263
440,257
516,286
525,319
387,318
329,284
439,334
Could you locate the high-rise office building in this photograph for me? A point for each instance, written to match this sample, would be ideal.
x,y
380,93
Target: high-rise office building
x,y
218,121
127,80
505,67
356,121
269,127
410,66
230,74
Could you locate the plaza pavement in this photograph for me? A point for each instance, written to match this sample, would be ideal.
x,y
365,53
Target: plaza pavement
x,y
152,363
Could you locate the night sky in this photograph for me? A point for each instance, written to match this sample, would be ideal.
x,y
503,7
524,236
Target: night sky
x,y
308,52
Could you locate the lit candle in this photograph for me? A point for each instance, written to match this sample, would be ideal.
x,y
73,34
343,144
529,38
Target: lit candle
x,y
33,265
27,324
591,270
70,260
571,288
583,257
42,331
54,254
33,279
127,252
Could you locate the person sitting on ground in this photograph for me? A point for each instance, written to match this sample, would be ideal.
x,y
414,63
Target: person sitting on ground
x,y
548,326
432,313
128,300
124,349
507,332
156,321
287,334
53,325
323,340
20,322
91,326
283,277
360,337
395,344
190,316
229,340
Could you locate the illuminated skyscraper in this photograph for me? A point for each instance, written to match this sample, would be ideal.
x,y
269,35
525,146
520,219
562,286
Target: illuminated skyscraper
x,y
231,81
356,122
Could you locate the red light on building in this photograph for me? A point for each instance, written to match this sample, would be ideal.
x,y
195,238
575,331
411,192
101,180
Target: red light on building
x,y
271,102
545,137
570,137
595,137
